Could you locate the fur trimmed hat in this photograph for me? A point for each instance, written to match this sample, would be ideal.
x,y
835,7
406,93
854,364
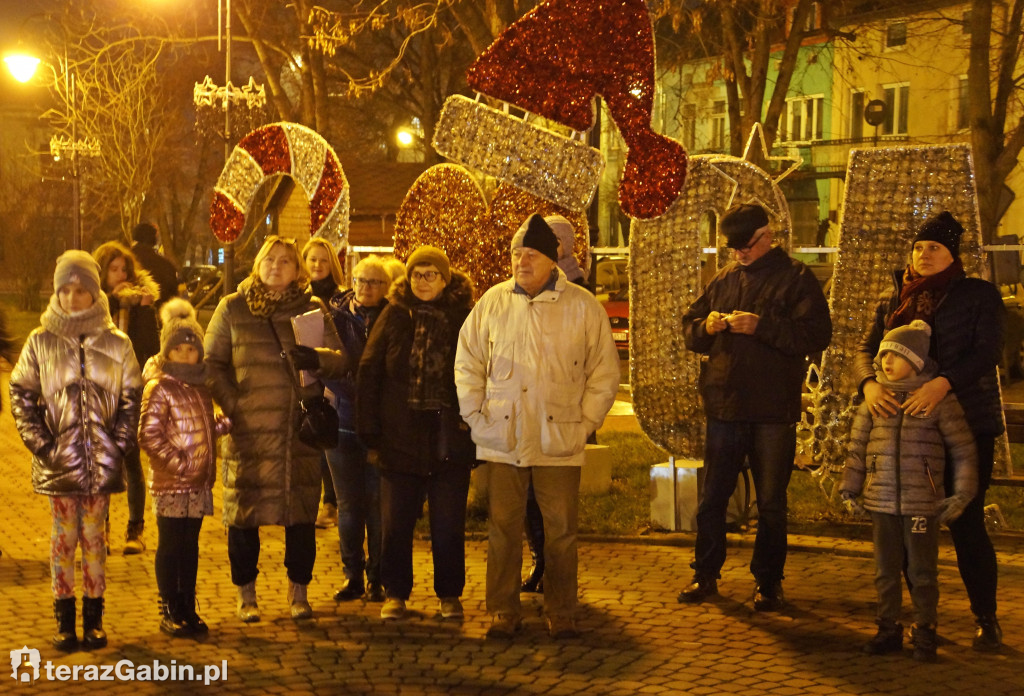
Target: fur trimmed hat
x,y
76,266
535,233
911,342
944,229
179,326
426,255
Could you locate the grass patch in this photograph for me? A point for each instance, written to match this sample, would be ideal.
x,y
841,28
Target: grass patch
x,y
626,509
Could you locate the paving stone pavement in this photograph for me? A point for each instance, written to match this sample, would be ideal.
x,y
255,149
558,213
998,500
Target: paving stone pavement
x,y
636,639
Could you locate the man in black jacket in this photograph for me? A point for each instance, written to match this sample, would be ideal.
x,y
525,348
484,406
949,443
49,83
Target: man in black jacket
x,y
756,322
163,271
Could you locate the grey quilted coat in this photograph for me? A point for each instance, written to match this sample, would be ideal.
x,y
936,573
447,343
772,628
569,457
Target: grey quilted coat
x,y
75,395
269,476
898,462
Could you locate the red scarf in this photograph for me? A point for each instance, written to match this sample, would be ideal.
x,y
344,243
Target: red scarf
x,y
920,295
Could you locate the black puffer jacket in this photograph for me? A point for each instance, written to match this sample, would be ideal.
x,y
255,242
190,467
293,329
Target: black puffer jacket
x,y
967,343
758,378
353,329
411,441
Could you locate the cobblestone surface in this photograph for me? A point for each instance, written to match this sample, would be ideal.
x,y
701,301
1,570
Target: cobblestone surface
x,y
636,639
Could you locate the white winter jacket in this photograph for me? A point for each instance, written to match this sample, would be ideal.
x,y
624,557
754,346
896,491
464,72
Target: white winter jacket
x,y
535,376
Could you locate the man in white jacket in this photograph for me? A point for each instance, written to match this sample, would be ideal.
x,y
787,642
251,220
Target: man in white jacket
x,y
536,372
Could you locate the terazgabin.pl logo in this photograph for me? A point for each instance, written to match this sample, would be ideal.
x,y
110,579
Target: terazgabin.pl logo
x,y
27,666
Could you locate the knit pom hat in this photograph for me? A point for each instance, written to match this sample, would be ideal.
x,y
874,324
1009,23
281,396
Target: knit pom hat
x,y
80,267
944,229
911,341
426,255
180,326
537,234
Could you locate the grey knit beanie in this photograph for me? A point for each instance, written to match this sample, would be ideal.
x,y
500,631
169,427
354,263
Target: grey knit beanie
x,y
80,267
179,326
911,341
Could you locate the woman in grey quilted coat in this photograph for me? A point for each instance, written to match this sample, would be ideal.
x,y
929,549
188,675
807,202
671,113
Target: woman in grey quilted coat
x,y
270,476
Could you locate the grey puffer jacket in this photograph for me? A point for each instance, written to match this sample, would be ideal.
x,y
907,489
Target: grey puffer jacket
x,y
899,462
75,395
270,477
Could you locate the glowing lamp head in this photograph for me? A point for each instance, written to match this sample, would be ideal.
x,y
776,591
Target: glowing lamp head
x,y
405,138
21,66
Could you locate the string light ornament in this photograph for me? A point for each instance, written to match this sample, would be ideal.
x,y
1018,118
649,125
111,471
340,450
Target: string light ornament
x,y
546,164
447,208
555,59
283,148
665,278
889,193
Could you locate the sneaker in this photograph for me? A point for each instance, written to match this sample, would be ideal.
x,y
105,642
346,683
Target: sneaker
x,y
989,637
562,628
504,626
393,608
451,608
768,596
925,643
698,590
328,516
889,639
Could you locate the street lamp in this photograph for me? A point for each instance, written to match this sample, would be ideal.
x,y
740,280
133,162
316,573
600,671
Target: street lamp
x,y
23,68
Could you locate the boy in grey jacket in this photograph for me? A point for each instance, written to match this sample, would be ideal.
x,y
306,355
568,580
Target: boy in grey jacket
x,y
898,463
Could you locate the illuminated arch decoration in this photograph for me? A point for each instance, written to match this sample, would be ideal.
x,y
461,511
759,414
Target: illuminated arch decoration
x,y
553,61
665,279
447,208
889,193
282,148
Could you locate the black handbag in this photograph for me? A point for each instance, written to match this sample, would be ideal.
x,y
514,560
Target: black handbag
x,y
318,426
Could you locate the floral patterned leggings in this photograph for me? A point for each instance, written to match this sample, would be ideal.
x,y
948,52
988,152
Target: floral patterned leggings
x,y
78,518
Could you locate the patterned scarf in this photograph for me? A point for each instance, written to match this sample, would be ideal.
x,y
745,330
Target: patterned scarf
x,y
920,295
263,301
430,361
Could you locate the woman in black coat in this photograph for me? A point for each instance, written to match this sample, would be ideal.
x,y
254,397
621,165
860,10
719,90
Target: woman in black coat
x,y
967,319
407,414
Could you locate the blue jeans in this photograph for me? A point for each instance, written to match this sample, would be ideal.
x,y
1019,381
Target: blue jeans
x,y
770,449
357,488
401,497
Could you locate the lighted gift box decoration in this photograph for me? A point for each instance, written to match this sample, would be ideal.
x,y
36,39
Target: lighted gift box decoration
x,y
282,148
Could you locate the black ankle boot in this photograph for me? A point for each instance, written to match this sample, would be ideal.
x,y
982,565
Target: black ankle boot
x,y
171,621
93,635
889,639
197,626
989,637
64,611
925,641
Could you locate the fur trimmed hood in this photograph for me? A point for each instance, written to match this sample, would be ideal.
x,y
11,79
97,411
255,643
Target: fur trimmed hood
x,y
144,284
457,294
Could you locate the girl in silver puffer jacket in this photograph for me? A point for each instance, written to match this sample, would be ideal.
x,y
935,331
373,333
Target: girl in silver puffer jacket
x,y
75,399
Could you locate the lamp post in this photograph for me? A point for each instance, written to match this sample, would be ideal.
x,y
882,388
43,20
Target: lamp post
x,y
23,68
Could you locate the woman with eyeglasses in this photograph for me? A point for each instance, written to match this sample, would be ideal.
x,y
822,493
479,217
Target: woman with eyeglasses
x,y
356,481
407,415
325,279
270,476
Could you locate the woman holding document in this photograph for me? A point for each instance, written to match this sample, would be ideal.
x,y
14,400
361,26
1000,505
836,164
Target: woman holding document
x,y
270,477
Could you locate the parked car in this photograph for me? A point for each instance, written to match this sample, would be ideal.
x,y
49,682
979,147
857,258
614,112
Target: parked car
x,y
199,279
617,308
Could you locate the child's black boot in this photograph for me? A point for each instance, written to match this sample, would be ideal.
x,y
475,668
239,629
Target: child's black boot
x,y
93,635
889,639
64,611
191,618
171,622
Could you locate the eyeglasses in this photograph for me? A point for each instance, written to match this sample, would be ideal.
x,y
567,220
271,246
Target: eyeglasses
x,y
368,282
429,276
747,248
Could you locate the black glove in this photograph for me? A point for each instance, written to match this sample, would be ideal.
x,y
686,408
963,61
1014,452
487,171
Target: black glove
x,y
305,358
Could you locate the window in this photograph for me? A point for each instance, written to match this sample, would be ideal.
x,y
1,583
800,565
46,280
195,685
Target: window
x,y
688,126
718,125
962,119
803,120
857,114
897,100
896,35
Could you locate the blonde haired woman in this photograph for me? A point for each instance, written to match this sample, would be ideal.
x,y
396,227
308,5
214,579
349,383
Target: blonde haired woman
x,y
270,476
